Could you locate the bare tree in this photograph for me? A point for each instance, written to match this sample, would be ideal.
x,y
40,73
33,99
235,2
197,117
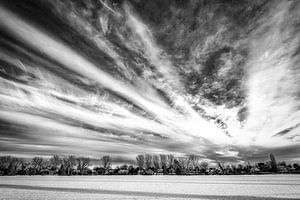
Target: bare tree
x,y
163,161
273,163
37,163
204,166
10,165
5,162
55,161
68,163
170,159
46,164
140,161
83,163
221,166
148,161
183,163
194,159
106,162
16,163
156,161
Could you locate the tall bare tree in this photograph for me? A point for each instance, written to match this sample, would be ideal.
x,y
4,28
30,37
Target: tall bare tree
x,y
194,159
10,165
156,161
148,161
106,162
273,163
170,159
37,163
55,161
68,163
163,161
204,166
221,166
183,163
83,163
5,163
140,161
16,163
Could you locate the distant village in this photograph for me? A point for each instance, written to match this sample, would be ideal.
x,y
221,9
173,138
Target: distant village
x,y
145,165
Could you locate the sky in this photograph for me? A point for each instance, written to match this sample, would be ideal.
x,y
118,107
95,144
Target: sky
x,y
217,79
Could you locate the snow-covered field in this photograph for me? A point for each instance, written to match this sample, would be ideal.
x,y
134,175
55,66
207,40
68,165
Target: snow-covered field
x,y
150,187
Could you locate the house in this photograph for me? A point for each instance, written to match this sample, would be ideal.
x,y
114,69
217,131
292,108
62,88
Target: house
x,y
282,169
214,171
190,172
149,172
172,171
291,169
51,172
110,172
141,172
44,172
254,170
160,172
123,171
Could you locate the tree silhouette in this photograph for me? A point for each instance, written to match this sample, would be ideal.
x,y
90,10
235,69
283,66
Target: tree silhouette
x,y
221,166
156,161
163,161
37,163
68,164
106,162
9,165
140,161
83,163
273,163
148,161
55,161
170,159
194,160
204,166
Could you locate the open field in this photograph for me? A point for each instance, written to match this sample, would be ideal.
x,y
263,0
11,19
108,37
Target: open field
x,y
150,187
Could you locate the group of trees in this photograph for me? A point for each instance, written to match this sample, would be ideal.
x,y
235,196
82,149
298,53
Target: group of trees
x,y
168,164
61,165
192,165
145,164
271,166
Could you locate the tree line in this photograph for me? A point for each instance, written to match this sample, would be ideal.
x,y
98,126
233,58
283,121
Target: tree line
x,y
192,165
146,164
60,165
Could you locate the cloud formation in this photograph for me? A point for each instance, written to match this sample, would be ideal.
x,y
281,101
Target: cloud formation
x,y
96,80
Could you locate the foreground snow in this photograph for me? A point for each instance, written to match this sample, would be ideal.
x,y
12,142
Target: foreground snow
x,y
150,187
